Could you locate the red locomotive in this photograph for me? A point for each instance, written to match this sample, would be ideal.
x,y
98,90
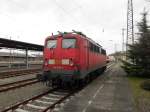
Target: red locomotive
x,y
71,57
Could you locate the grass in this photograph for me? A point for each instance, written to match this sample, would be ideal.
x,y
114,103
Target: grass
x,y
141,96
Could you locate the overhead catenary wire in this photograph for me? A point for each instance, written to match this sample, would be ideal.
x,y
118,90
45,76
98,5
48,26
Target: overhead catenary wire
x,y
69,14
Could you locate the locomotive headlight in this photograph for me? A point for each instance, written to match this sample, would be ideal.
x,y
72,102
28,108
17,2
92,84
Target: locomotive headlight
x,y
65,61
71,62
45,63
51,61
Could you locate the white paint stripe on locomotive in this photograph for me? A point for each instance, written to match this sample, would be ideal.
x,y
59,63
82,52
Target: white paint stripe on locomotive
x,y
20,110
44,102
49,98
36,107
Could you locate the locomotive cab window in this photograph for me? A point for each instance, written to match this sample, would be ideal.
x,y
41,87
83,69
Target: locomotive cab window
x,y
51,44
68,43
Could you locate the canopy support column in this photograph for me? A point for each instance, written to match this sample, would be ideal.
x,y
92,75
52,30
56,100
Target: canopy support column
x,y
27,65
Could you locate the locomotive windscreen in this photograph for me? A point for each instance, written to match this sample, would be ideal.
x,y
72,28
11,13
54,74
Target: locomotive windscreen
x,y
51,44
68,43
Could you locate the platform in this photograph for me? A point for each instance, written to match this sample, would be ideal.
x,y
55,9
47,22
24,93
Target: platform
x,y
108,93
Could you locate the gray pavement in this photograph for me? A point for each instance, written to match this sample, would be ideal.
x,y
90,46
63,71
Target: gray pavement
x,y
108,93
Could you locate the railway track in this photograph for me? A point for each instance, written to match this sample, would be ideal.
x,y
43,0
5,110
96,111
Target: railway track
x,y
42,103
17,84
9,74
110,65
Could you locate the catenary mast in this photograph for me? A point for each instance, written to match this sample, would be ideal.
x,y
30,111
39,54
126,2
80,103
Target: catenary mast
x,y
130,25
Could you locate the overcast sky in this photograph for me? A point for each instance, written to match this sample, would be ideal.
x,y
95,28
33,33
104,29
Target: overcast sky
x,y
33,20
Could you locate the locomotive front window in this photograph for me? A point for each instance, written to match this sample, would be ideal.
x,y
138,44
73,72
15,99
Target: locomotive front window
x,y
51,44
68,43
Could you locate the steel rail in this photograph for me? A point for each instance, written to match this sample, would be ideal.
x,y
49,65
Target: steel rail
x,y
51,107
21,81
18,84
17,73
12,108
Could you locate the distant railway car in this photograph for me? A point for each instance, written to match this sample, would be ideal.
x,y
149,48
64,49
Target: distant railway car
x,y
70,57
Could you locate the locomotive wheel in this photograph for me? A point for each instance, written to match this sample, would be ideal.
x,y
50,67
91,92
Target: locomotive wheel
x,y
70,85
56,83
53,83
93,75
59,83
87,79
99,71
81,83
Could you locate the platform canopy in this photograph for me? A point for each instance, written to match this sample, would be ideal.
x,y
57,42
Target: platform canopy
x,y
19,45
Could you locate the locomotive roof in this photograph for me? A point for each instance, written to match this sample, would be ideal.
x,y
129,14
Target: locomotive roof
x,y
67,34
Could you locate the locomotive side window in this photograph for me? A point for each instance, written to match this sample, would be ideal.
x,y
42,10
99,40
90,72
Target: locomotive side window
x,y
91,47
99,50
94,48
51,44
103,51
68,43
